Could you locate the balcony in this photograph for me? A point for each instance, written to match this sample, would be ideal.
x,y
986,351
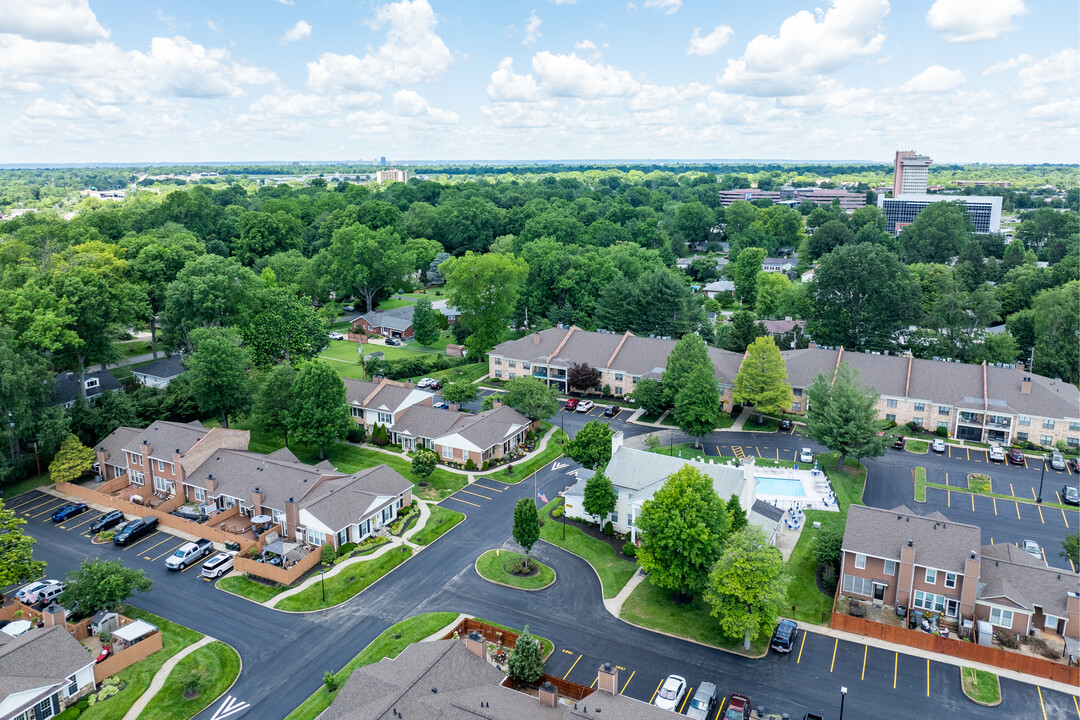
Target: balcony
x,y
970,418
539,373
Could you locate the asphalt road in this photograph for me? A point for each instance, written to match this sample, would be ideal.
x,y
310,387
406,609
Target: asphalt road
x,y
285,655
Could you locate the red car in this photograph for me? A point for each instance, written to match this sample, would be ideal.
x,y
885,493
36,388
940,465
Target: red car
x,y
738,708
1016,456
571,404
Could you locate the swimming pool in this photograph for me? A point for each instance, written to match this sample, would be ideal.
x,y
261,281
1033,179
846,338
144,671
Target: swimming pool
x,y
780,487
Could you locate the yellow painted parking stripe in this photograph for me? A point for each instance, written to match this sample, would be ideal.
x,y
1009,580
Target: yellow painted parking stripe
x,y
30,582
29,510
476,494
1017,509
1064,517
463,501
968,452
138,542
1071,565
1025,462
486,487
927,677
799,659
948,497
83,522
627,681
594,683
895,662
194,564
995,504
21,503
972,496
1041,704
864,649
571,668
655,691
777,453
1011,491
718,450
836,642
686,699
720,709
49,509
172,549
1040,511
1077,706
946,478
757,451
1043,551
986,455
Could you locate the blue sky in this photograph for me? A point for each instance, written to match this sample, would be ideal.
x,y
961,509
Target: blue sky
x,y
234,80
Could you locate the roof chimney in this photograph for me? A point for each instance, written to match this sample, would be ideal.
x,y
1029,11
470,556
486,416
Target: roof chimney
x,y
1025,385
549,694
910,543
536,338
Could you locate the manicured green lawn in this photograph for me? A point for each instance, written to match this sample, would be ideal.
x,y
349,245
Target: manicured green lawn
x,y
920,484
978,483
346,583
470,372
981,686
918,447
769,424
549,647
222,666
614,571
388,645
523,470
492,564
393,304
133,348
246,587
137,677
441,521
18,488
653,608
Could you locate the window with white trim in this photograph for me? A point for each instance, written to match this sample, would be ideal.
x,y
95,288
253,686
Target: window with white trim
x,y
1072,442
136,478
943,424
618,377
929,601
498,373
385,418
200,494
357,412
920,406
618,390
1074,426
857,585
314,537
1001,617
447,452
525,365
796,407
891,417
1048,424
890,568
1024,420
950,580
1022,437
860,561
498,361
45,708
162,484
943,410
73,686
917,421
797,392
891,402
1046,440
931,576
513,375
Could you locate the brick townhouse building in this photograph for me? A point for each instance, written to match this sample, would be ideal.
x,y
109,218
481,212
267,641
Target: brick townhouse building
x,y
982,403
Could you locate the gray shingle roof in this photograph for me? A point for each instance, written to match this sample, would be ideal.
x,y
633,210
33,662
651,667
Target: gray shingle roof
x,y
239,472
39,657
357,390
114,445
1009,572
641,471
939,544
337,502
396,319
67,385
165,437
166,367
490,427
421,421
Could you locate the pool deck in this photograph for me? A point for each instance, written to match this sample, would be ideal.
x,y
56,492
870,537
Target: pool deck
x,y
811,480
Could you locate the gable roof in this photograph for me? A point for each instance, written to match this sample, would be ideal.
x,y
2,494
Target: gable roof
x,y
66,388
1009,573
339,501
356,391
165,367
939,544
720,286
238,472
640,472
165,437
114,443
488,428
396,319
40,657
421,421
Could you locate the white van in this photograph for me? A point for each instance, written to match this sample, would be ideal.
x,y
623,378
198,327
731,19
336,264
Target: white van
x,y
218,565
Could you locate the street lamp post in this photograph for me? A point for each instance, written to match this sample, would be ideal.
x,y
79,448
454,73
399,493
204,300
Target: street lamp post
x,y
1042,476
843,694
670,440
322,576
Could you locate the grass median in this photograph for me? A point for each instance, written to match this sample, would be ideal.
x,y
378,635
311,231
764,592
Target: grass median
x,y
244,586
493,565
136,678
389,644
220,666
440,522
522,470
920,484
919,447
981,686
345,583
614,571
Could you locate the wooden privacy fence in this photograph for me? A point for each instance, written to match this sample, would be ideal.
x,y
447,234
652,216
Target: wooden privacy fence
x,y
1027,664
491,633
139,651
275,573
566,688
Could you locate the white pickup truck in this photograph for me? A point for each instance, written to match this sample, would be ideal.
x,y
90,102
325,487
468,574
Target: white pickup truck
x,y
189,553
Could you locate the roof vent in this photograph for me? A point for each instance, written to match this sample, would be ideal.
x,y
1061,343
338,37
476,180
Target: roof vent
x,y
972,554
434,690
910,543
210,476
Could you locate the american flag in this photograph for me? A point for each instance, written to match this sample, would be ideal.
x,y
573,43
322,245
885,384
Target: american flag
x,y
543,498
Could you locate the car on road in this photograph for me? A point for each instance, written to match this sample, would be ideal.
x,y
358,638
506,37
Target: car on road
x,y
806,455
671,693
783,637
135,530
1032,548
612,410
1057,461
785,425
69,511
702,703
33,588
1070,495
218,565
335,335
393,342
1016,456
44,594
348,308
106,521
938,445
571,404
189,553
898,442
585,406
997,453
738,708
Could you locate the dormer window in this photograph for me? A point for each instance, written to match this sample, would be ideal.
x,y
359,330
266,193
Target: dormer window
x,y
92,383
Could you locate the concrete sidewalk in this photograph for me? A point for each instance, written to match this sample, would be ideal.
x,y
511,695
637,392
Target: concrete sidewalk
x,y
614,605
161,676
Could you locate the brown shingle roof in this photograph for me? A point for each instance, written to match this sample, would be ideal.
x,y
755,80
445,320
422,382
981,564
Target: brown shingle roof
x,y
339,501
1009,572
882,533
239,472
113,445
39,657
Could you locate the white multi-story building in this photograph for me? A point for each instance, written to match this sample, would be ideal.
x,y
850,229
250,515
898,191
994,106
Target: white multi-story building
x,y
391,175
910,172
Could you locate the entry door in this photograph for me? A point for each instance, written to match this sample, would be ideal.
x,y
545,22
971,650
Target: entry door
x,y
879,592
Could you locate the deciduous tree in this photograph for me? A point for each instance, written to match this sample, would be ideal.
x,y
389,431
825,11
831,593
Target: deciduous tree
x,y
526,525
746,272
71,461
842,415
582,376
762,379
17,563
274,401
367,263
697,405
219,372
747,586
320,415
460,392
600,496
424,462
591,445
484,288
689,353
425,323
531,397
102,585
649,394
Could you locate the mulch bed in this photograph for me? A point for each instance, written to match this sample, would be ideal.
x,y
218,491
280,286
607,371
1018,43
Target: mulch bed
x,y
534,569
594,531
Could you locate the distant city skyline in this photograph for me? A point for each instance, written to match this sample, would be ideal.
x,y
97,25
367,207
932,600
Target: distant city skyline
x,y
117,81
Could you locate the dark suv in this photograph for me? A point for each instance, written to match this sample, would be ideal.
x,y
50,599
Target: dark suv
x,y
783,638
135,530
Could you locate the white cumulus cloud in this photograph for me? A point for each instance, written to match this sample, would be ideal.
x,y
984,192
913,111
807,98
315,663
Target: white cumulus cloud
x,y
584,45
934,79
668,6
507,86
66,21
711,43
532,28
572,76
1011,64
411,104
300,31
973,20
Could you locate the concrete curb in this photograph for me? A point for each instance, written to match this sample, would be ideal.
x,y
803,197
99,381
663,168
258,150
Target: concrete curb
x,y
162,675
476,567
980,702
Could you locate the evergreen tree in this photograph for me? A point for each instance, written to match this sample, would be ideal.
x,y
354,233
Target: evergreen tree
x,y
689,353
743,331
600,496
526,660
762,379
320,415
736,515
425,323
526,525
842,415
746,272
697,406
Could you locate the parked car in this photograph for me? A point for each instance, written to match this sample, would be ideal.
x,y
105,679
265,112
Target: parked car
x,y
702,703
1016,456
671,693
348,308
218,565
612,411
443,405
1070,495
393,342
135,530
32,588
1032,548
1057,461
806,455
106,521
189,553
335,335
585,406
898,442
69,511
783,638
571,404
1074,464
997,453
786,425
738,708
424,382
938,445
44,594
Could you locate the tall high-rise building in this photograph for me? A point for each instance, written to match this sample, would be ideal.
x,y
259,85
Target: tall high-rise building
x,y
910,171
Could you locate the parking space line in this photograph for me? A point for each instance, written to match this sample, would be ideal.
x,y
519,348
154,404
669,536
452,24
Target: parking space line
x,y
1011,491
594,684
836,642
972,496
21,503
799,659
476,494
1074,570
27,511
686,699
83,522
166,539
632,672
948,497
1041,704
895,662
194,564
1025,462
864,649
968,451
655,691
1040,512
720,709
148,537
177,547
486,487
995,504
1063,516
571,668
1017,509
757,451
927,677
946,478
48,509
986,455
1043,551
778,453
48,499
463,501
